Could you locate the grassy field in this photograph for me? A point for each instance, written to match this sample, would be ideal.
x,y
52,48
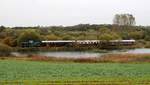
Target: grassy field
x,y
15,70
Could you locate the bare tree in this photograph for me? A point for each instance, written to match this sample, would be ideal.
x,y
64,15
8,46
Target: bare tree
x,y
124,19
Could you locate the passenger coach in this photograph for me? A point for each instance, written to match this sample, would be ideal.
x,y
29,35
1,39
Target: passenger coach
x,y
69,43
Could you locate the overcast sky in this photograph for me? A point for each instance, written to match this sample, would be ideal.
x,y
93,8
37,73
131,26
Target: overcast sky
x,y
70,12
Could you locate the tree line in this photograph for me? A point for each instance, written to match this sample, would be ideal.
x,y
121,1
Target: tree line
x,y
123,28
13,36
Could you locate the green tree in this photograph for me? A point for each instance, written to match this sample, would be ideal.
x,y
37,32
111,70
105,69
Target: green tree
x,y
67,37
52,37
136,35
28,35
109,36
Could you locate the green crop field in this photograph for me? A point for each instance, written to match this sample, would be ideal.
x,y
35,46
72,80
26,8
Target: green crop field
x,y
13,70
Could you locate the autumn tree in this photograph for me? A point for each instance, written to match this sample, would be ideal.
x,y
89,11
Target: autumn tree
x,y
5,50
8,41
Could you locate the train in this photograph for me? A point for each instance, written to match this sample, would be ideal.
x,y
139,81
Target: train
x,y
72,43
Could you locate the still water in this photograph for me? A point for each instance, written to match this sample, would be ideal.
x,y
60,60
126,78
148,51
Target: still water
x,y
76,54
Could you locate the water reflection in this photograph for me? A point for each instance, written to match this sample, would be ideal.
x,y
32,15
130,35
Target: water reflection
x,y
139,51
76,54
61,54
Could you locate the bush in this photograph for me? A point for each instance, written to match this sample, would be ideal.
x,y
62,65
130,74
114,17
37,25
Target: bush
x,y
5,50
147,45
110,36
147,38
8,41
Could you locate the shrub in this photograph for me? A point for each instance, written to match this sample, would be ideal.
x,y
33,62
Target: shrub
x,y
147,45
8,41
5,50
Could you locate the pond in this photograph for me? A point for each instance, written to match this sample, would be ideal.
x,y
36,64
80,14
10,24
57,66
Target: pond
x,y
139,51
78,54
